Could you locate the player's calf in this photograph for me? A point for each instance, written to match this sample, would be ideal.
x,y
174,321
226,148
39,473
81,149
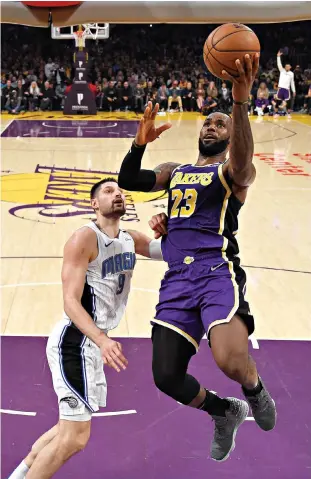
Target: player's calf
x,y
233,365
72,438
229,344
43,441
22,469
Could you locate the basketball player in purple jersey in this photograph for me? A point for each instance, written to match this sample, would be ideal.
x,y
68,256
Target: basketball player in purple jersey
x,y
203,289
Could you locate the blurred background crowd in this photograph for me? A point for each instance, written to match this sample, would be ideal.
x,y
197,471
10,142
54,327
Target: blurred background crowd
x,y
141,63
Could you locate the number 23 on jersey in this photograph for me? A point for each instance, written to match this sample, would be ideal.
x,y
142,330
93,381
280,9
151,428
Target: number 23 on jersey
x,y
189,196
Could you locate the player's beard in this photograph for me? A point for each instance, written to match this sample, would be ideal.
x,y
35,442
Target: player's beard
x,y
214,148
112,212
118,212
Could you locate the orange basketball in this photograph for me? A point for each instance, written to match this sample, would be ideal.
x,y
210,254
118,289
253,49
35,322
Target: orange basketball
x,y
228,43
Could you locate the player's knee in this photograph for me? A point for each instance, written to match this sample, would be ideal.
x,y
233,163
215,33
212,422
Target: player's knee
x,y
73,443
166,381
233,364
162,380
81,440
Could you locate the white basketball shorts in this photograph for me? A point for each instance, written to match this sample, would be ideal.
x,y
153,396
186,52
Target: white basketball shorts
x,y
77,372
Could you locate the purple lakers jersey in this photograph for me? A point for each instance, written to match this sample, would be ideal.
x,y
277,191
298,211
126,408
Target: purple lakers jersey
x,y
202,215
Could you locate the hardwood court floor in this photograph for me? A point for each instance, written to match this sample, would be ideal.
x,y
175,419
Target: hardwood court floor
x,y
49,163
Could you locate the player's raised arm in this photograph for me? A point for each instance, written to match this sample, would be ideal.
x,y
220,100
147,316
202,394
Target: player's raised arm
x,y
78,252
240,165
279,62
132,177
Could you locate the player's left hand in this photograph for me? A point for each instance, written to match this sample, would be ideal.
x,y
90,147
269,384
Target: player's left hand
x,y
147,130
242,84
158,224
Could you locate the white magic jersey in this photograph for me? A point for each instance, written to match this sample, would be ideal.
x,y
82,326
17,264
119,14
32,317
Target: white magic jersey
x,y
108,278
286,80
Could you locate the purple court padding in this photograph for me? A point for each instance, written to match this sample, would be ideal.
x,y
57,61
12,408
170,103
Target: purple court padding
x,y
71,129
163,440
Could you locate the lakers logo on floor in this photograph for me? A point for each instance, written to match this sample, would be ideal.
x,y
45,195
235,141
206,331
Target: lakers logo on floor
x,y
54,192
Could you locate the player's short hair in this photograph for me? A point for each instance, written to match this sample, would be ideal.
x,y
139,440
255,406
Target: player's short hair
x,y
222,112
97,185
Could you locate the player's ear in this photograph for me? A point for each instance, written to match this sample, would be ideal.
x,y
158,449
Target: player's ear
x,y
94,203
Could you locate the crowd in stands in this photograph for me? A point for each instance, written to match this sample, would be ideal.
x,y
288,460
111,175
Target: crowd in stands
x,y
139,63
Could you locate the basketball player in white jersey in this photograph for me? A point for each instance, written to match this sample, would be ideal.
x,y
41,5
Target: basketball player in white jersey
x,y
286,83
98,264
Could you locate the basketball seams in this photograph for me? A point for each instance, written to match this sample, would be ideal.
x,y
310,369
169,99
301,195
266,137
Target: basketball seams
x,y
232,33
234,50
213,34
225,67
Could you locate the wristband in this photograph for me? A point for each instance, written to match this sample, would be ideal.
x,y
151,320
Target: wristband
x,y
138,146
155,250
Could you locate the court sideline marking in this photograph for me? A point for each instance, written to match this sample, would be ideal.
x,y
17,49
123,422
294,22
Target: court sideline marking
x,y
97,414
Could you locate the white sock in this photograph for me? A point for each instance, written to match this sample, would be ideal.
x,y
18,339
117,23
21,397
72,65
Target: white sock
x,y
20,472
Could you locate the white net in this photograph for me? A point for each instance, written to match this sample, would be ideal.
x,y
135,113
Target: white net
x,y
96,30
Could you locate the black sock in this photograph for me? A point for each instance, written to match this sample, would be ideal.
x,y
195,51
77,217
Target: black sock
x,y
253,392
214,405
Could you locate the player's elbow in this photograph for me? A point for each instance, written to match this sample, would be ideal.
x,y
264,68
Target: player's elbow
x,y
126,182
243,177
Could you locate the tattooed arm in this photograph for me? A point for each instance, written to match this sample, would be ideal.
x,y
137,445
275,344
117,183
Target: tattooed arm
x,y
163,174
240,166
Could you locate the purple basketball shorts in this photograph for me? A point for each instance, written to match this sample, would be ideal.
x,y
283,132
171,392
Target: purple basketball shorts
x,y
197,296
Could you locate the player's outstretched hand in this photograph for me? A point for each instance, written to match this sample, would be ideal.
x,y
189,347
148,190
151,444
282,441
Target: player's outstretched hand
x,y
158,224
111,353
242,84
147,130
